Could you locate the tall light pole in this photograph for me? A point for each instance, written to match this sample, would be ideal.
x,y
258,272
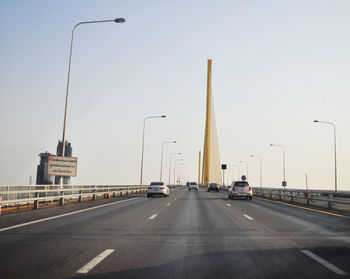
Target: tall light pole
x,y
260,159
175,168
238,174
284,182
335,152
171,155
177,171
161,160
246,165
116,20
143,140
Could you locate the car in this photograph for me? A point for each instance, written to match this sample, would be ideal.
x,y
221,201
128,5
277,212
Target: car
x,y
193,186
240,189
158,188
214,187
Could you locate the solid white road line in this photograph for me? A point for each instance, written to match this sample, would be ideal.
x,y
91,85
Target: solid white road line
x,y
95,261
63,215
330,266
153,216
228,204
248,217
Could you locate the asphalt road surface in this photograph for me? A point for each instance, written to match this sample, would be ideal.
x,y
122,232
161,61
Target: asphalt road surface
x,y
187,235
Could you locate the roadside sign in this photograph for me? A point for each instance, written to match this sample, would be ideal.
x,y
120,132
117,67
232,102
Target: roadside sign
x,y
223,166
62,166
244,177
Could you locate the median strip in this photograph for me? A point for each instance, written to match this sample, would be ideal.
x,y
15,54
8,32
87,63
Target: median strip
x,y
95,261
318,259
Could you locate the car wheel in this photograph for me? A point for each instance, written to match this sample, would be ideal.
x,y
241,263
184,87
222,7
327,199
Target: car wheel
x,y
148,195
250,198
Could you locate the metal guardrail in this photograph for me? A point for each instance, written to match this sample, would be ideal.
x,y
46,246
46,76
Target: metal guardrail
x,y
330,198
19,195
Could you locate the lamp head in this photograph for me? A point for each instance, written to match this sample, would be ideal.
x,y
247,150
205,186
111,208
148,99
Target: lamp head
x,y
315,120
163,116
119,20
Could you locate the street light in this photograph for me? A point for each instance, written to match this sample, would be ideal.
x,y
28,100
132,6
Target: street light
x,y
143,141
247,166
171,155
161,160
260,158
335,152
284,182
237,171
175,168
177,171
117,20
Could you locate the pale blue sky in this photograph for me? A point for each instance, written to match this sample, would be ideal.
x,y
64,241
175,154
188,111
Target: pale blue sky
x,y
277,65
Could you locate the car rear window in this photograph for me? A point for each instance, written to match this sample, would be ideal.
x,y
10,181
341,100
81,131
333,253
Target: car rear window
x,y
193,183
157,183
241,184
213,184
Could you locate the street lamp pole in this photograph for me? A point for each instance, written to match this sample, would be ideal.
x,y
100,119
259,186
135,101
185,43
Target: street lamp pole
x,y
116,20
161,160
238,174
335,151
175,168
247,166
260,158
284,182
143,141
170,164
177,171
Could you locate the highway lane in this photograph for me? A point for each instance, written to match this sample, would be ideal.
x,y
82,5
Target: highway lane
x,y
189,234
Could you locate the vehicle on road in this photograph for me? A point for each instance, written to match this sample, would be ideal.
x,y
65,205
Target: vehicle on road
x,y
158,188
213,187
240,189
193,186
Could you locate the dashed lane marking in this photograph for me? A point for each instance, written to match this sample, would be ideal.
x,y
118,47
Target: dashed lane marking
x,y
153,216
168,204
228,204
318,259
63,215
95,261
248,217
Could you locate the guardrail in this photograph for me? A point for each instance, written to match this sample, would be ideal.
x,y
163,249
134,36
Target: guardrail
x,y
21,195
330,198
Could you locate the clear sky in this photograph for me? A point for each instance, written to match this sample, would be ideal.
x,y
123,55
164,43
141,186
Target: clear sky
x,y
277,66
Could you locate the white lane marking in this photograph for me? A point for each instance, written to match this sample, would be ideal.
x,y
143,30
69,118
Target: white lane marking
x,y
228,204
153,216
330,266
168,204
62,215
95,261
248,217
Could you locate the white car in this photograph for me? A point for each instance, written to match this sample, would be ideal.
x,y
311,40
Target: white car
x,y
240,189
193,186
158,188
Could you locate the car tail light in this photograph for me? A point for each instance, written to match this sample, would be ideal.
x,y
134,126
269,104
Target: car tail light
x,y
150,188
250,188
233,188
162,188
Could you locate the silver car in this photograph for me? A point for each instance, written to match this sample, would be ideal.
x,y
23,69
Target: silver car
x,y
158,188
193,186
240,189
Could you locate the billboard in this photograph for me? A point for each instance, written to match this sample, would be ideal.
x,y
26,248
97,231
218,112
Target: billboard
x,y
62,166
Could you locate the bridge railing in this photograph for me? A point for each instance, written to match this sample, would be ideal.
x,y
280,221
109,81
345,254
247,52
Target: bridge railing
x,y
20,195
338,199
327,197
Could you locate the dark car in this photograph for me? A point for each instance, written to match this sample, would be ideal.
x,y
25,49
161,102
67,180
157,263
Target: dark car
x,y
213,187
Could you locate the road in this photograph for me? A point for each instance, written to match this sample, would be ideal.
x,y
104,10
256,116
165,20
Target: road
x,y
187,235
